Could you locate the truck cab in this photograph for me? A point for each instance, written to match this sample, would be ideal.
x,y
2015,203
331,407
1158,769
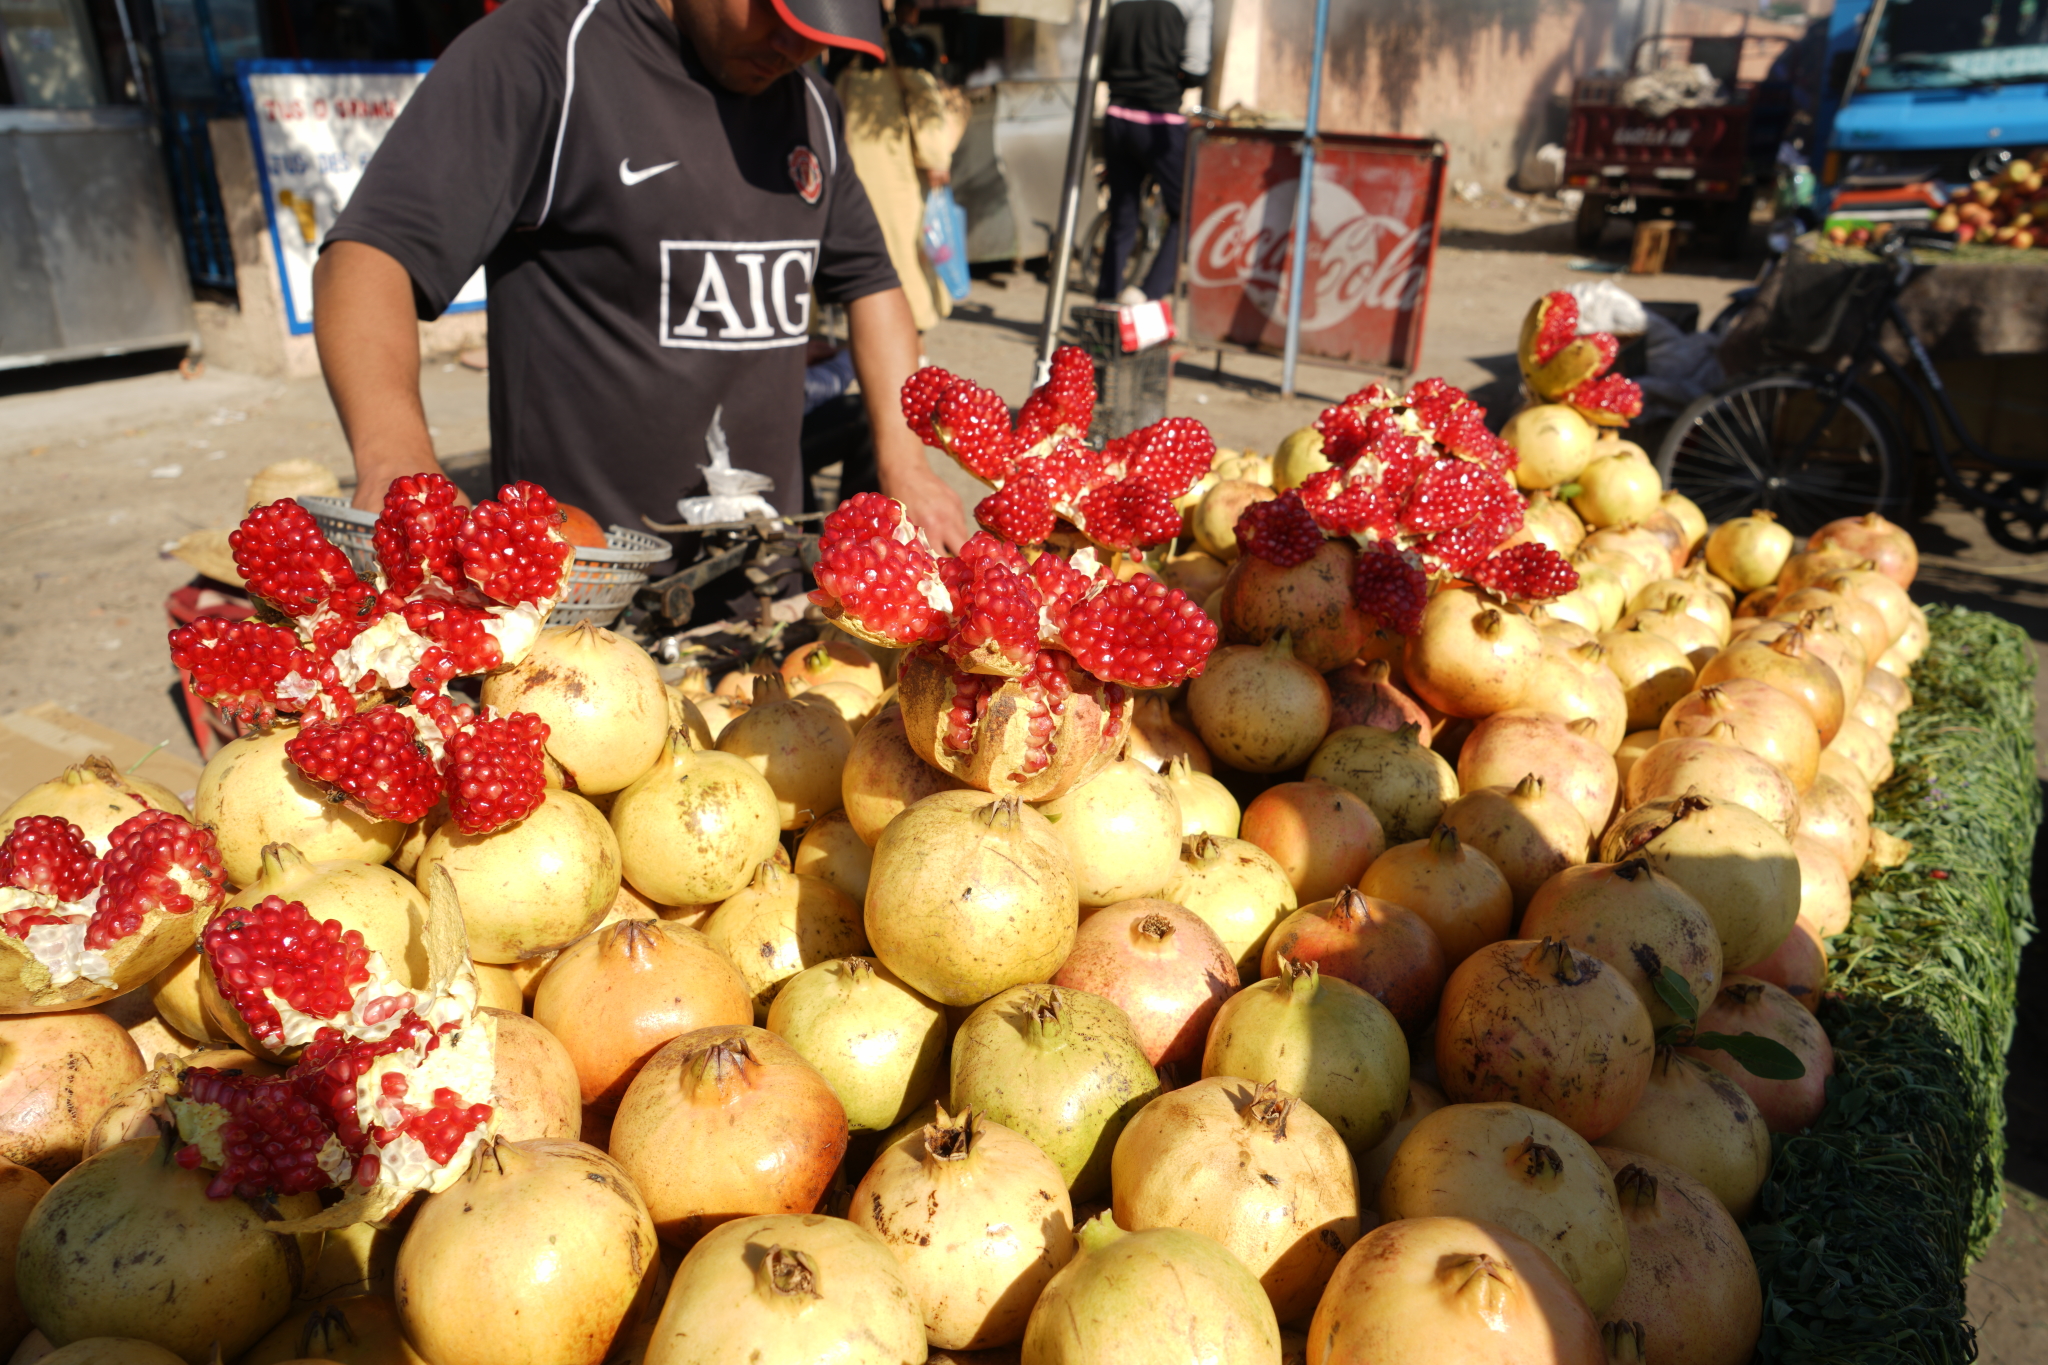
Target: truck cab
x,y
1933,89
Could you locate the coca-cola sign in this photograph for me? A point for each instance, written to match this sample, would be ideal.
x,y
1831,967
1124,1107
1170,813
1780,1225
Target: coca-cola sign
x,y
1372,233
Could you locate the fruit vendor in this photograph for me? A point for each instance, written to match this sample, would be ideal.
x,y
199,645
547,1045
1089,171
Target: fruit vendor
x,y
659,194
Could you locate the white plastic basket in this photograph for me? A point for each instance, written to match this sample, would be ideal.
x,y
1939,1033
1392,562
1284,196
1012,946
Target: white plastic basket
x,y
599,586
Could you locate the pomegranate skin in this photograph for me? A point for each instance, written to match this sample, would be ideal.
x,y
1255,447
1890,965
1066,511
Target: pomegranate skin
x,y
1384,949
57,1073
1458,891
1747,1005
1310,601
1691,1284
1324,836
1162,965
1470,658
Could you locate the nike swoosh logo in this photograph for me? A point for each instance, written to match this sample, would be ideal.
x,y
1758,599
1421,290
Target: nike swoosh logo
x,y
629,176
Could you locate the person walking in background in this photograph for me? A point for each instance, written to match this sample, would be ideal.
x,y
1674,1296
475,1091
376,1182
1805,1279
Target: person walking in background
x,y
1152,50
902,124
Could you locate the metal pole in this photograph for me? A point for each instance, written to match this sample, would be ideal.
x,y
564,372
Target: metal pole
x,y
1070,197
1297,275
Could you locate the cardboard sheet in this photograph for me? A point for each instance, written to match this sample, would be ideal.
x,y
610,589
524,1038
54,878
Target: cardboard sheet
x,y
41,742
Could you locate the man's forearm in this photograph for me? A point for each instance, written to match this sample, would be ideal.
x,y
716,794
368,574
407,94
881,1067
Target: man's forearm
x,y
885,347
364,325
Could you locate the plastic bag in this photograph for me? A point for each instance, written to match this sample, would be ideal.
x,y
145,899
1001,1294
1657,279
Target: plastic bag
x,y
944,240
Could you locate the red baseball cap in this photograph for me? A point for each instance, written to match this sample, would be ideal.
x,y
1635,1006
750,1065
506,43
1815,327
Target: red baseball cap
x,y
855,24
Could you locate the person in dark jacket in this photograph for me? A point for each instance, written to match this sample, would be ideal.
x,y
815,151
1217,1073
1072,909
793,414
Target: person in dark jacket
x,y
1152,50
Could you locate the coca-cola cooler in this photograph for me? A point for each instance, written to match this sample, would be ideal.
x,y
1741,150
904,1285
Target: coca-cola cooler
x,y
1372,241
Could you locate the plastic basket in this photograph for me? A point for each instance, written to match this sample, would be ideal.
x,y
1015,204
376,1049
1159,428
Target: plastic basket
x,y
1132,388
599,586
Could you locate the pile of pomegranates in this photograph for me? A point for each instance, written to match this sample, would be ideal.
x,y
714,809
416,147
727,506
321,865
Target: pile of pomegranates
x,y
1369,904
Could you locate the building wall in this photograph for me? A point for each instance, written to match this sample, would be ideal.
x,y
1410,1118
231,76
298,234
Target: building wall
x,y
1486,76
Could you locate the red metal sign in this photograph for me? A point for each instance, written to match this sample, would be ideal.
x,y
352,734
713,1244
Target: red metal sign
x,y
1372,240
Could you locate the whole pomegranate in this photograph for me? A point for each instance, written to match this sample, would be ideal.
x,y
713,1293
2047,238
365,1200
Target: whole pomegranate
x,y
832,852
1214,520
601,696
1251,1167
1405,782
1237,889
1206,805
1454,1290
841,661
1873,538
1653,672
57,1073
1692,1284
723,1122
1733,862
1158,740
252,795
1508,745
1825,899
884,774
533,886
1471,657
971,894
1195,1300
1524,1171
788,1287
108,1252
1321,1038
20,1191
1555,444
1527,832
347,1331
1617,486
694,827
1636,920
1786,664
1749,551
1831,814
1310,602
1259,708
561,1299
534,1089
1363,693
1324,836
1162,965
1457,891
1544,1025
1123,828
1386,950
1799,967
1747,1005
798,744
1062,1068
1576,685
1765,721
1700,1121
879,1044
779,924
617,995
979,1220
1713,765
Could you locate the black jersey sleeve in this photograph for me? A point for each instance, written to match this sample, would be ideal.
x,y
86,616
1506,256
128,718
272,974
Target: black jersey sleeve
x,y
853,260
469,149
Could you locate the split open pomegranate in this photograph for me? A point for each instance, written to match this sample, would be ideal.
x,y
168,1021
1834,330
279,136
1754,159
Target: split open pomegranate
x,y
458,591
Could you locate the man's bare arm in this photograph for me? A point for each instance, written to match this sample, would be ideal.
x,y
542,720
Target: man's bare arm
x,y
369,340
884,354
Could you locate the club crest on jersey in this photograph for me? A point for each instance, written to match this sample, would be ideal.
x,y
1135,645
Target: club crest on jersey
x,y
805,173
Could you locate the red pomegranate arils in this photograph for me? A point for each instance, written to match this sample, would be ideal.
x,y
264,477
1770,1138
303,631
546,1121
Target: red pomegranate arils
x,y
1170,456
1348,509
972,425
1280,531
1140,633
1020,511
1609,400
240,666
859,517
512,549
970,696
1060,585
285,559
496,771
415,533
375,759
1498,515
883,586
1046,688
920,398
277,945
49,854
998,633
1529,572
461,643
155,861
270,1140
1128,515
1387,586
1068,470
1557,323
1449,493
981,546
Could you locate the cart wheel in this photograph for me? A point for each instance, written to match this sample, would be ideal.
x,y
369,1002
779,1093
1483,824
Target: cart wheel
x,y
1772,442
1592,222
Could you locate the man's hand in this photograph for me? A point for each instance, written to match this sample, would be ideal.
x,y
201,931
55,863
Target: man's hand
x,y
369,340
884,353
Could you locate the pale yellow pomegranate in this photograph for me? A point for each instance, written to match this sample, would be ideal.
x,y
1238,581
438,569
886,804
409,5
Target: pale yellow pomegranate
x,y
534,886
252,795
603,700
694,827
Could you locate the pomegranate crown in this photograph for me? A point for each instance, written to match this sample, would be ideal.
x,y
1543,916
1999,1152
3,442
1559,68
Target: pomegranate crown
x,y
457,591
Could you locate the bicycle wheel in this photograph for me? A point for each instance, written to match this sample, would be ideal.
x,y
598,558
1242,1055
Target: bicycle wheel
x,y
1788,443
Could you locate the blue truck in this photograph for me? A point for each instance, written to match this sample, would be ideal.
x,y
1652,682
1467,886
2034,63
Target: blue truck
x,y
1947,90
